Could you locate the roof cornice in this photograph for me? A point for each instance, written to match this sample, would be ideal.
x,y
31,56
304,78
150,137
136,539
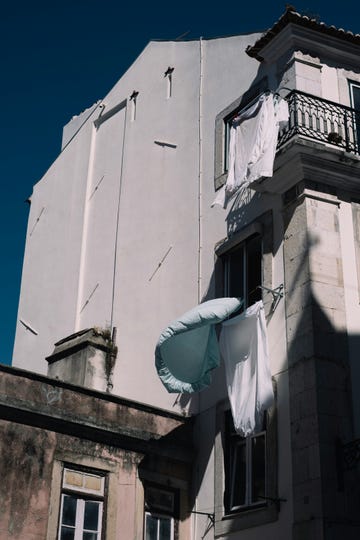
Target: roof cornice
x,y
303,28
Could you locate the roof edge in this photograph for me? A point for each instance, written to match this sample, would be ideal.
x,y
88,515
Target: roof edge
x,y
292,16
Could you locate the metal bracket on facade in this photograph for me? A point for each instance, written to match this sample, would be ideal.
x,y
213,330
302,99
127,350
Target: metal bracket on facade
x,y
347,458
351,454
277,294
276,500
208,514
28,327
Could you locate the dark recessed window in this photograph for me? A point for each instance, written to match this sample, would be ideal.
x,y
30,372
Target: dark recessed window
x,y
242,271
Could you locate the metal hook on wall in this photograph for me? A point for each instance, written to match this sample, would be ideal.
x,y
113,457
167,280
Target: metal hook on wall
x,y
277,294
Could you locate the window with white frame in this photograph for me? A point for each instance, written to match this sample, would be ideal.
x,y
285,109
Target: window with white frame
x,y
355,104
245,468
158,527
82,502
160,511
355,95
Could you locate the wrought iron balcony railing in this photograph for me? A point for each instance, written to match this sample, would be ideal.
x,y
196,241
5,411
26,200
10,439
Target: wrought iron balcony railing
x,y
322,120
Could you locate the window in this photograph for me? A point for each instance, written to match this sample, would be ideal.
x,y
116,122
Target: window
x,y
81,505
160,509
355,104
227,126
245,474
243,272
158,527
222,128
245,468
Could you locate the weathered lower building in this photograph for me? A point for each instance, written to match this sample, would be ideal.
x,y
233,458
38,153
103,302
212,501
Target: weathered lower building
x,y
80,462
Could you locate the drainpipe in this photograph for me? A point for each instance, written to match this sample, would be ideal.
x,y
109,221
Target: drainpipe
x,y
118,218
200,173
200,232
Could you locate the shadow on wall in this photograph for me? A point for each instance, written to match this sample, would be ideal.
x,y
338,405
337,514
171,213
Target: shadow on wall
x,y
319,382
319,378
173,460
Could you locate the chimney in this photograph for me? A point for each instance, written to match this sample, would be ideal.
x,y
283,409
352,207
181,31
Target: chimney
x,y
86,358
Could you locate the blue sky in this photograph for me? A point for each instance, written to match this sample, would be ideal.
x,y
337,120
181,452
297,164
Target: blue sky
x,y
58,58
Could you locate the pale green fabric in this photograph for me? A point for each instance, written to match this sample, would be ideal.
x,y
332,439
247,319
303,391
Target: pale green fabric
x,y
187,350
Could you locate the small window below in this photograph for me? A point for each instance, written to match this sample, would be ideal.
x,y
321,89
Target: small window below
x,y
161,513
81,506
245,474
245,468
158,527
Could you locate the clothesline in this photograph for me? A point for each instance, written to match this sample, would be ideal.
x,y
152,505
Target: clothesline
x,y
241,108
252,102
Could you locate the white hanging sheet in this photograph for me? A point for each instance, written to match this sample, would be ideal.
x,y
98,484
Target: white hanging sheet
x,y
252,147
244,347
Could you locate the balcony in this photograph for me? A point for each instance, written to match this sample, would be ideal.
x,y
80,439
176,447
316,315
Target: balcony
x,y
321,120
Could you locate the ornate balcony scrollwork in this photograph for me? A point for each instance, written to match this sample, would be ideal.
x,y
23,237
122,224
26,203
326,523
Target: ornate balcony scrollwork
x,y
322,120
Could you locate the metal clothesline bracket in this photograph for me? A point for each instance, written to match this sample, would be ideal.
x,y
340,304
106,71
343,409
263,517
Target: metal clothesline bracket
x,y
275,500
210,515
277,294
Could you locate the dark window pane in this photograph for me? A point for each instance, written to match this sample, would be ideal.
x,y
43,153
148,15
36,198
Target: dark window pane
x,y
151,527
253,269
90,536
356,116
243,271
69,510
67,533
235,273
356,97
165,529
258,468
160,499
91,515
238,473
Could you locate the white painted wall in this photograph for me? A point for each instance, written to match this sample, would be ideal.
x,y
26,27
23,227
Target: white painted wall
x,y
52,253
113,185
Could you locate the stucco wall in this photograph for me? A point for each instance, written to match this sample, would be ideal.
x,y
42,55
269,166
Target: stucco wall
x,y
44,425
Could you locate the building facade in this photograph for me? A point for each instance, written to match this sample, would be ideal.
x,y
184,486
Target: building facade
x,y
122,234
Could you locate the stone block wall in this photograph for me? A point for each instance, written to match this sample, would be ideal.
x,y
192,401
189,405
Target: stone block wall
x,y
320,406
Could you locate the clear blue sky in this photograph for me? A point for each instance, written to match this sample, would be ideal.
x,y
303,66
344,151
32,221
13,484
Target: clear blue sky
x,y
58,58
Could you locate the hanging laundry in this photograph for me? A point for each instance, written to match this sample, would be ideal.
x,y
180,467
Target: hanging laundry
x,y
252,147
188,350
244,347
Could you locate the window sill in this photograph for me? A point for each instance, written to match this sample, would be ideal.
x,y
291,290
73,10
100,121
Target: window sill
x,y
245,519
220,180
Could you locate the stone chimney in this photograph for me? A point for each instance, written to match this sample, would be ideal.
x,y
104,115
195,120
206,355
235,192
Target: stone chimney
x,y
86,358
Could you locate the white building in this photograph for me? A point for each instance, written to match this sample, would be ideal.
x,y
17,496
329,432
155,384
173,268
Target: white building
x,y
122,234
